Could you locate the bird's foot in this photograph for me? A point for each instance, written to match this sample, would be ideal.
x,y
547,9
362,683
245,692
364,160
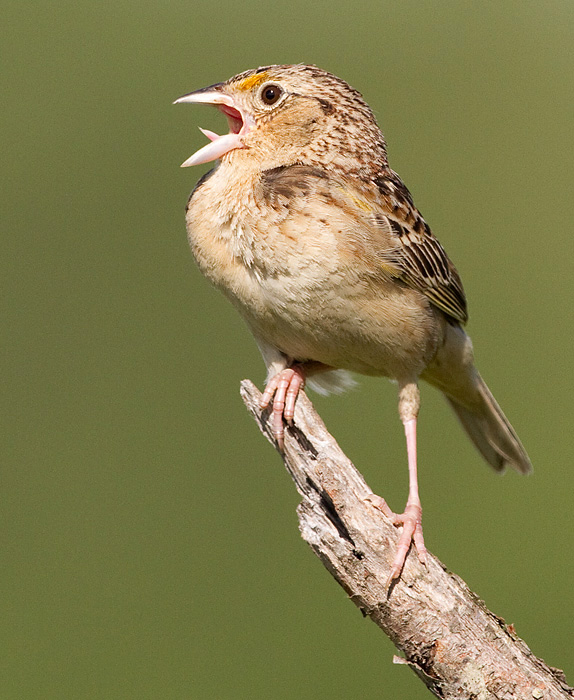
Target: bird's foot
x,y
283,388
411,520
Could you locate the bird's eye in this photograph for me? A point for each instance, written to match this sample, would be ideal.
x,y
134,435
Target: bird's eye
x,y
270,94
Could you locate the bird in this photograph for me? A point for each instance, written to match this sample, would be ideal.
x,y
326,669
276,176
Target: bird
x,y
317,242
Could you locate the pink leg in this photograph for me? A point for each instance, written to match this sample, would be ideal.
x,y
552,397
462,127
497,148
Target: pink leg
x,y
411,519
283,388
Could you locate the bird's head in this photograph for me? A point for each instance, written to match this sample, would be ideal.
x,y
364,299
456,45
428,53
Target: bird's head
x,y
280,115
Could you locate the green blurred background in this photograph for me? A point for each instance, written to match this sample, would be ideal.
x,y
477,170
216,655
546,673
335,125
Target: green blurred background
x,y
149,538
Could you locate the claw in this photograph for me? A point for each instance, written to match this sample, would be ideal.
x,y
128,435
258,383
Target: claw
x,y
283,388
411,520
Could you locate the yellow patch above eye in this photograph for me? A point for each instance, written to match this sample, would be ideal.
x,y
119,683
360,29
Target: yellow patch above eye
x,y
252,81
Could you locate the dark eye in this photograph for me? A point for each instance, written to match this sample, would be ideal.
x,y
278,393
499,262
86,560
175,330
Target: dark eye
x,y
270,94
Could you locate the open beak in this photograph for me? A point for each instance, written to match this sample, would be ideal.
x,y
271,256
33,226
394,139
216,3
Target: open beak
x,y
239,124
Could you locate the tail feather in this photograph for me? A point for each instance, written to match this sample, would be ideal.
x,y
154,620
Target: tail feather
x,y
490,431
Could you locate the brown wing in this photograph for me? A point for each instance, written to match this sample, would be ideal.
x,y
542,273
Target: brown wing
x,y
419,256
407,250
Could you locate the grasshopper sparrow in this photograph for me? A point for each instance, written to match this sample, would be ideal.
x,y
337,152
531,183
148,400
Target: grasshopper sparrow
x,y
317,243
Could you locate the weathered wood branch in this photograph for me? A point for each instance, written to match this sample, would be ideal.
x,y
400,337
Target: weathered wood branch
x,y
447,635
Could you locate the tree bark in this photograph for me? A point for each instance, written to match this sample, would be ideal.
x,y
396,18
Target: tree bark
x,y
448,637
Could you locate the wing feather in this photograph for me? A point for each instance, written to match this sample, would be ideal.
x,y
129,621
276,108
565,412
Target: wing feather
x,y
384,221
422,260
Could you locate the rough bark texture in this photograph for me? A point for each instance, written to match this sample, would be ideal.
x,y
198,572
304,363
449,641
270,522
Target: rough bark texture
x,y
449,638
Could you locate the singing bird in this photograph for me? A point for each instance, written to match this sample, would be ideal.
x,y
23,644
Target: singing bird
x,y
314,239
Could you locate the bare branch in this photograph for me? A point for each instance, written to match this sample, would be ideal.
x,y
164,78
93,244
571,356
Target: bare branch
x,y
448,637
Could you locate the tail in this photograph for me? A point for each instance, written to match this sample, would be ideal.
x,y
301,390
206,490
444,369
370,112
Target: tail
x,y
453,372
490,431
